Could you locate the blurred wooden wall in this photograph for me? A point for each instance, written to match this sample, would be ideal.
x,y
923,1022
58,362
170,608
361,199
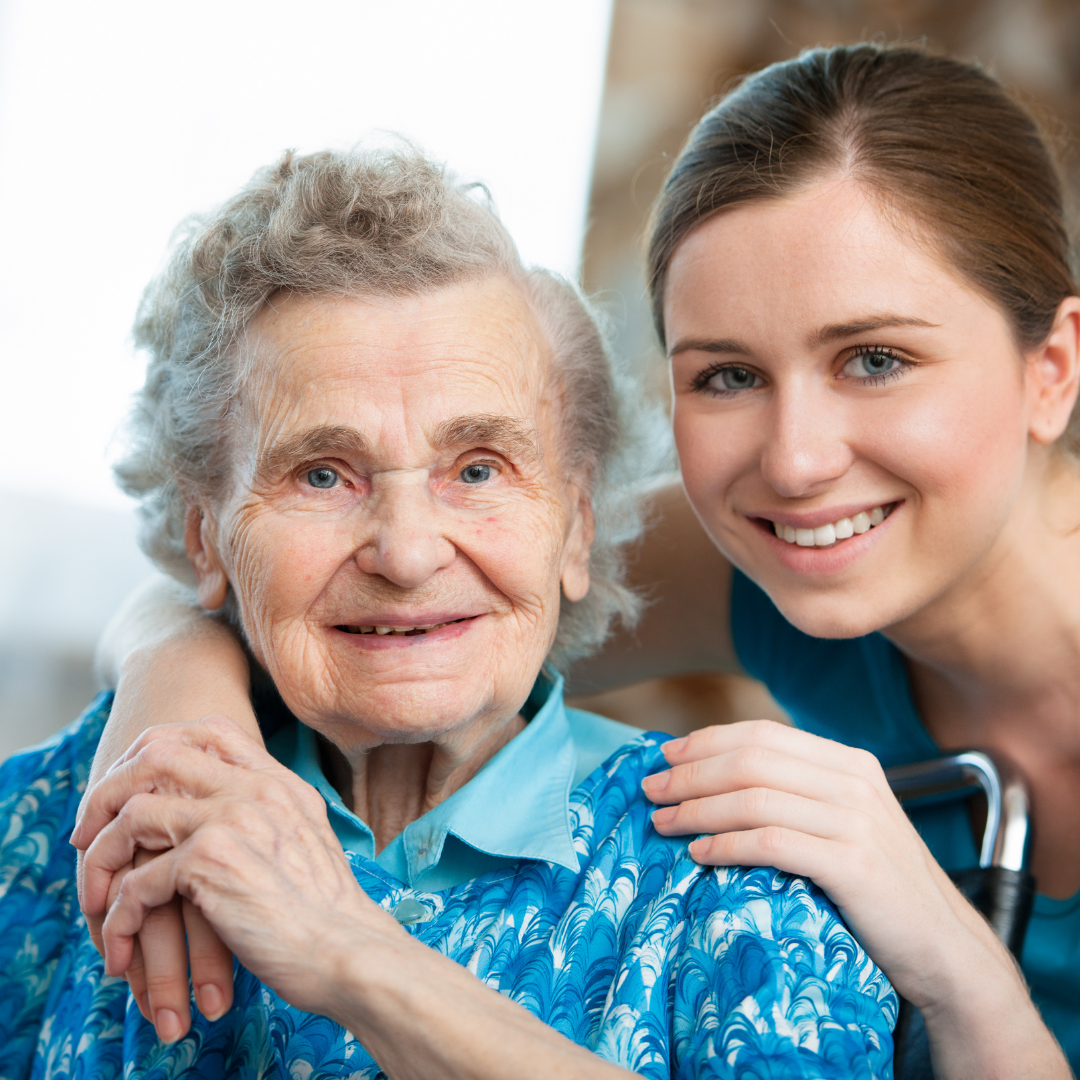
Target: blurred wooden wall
x,y
668,60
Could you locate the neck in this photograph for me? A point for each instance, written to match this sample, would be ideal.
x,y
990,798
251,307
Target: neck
x,y
391,785
995,662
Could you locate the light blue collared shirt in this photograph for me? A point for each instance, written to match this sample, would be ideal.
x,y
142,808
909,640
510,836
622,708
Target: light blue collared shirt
x,y
515,807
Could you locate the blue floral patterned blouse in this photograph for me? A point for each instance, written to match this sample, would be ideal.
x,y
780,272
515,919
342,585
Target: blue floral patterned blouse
x,y
653,962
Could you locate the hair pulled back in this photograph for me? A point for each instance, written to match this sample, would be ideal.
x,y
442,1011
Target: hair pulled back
x,y
936,138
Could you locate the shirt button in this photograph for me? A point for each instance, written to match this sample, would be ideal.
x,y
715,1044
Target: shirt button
x,y
411,911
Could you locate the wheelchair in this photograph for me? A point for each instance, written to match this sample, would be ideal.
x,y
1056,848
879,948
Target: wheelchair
x,y
1001,887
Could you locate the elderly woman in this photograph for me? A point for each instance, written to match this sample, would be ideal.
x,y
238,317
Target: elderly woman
x,y
391,456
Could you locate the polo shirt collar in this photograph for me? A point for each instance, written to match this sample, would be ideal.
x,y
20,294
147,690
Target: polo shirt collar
x,y
516,807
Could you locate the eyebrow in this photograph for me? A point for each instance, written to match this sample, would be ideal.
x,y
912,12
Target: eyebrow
x,y
506,434
838,331
324,441
824,336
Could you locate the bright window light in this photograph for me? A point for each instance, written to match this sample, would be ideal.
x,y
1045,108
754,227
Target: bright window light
x,y
119,117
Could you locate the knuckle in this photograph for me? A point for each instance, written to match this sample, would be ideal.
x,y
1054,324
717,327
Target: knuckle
x,y
756,801
750,760
772,839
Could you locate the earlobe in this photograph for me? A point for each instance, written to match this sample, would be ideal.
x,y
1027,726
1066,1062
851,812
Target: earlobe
x,y
212,584
1053,374
575,568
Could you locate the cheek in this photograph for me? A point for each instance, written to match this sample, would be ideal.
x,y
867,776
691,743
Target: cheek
x,y
962,445
714,449
519,555
281,564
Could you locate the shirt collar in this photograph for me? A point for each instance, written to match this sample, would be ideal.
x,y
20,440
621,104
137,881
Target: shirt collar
x,y
517,806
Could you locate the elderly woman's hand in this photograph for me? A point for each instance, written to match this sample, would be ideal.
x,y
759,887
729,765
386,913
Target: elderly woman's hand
x,y
772,795
241,838
248,845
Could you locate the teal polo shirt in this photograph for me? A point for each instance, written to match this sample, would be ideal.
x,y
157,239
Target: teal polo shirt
x,y
516,807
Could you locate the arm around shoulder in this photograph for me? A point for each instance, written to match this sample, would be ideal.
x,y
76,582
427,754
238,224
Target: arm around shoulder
x,y
169,662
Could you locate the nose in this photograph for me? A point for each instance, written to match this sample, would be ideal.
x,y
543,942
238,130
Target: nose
x,y
406,544
806,443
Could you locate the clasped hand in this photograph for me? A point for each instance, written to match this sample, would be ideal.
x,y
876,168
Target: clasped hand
x,y
198,828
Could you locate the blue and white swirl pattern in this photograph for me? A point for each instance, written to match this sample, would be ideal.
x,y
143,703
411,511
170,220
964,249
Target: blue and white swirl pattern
x,y
653,962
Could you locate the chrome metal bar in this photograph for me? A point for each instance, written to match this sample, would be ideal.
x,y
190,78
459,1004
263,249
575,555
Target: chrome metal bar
x,y
1007,833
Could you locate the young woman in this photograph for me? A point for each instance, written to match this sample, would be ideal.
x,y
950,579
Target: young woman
x,y
861,275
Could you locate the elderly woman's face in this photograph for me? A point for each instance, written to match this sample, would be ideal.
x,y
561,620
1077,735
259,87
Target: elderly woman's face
x,y
399,523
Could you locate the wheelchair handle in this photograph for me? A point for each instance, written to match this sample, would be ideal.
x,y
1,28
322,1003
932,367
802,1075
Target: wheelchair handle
x,y
1008,819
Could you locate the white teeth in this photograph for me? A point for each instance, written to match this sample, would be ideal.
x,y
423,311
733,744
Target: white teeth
x,y
827,535
399,630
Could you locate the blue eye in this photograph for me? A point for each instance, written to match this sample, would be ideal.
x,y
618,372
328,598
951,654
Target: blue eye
x,y
476,474
322,477
873,364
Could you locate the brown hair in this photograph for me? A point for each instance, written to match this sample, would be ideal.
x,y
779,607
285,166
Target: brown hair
x,y
937,138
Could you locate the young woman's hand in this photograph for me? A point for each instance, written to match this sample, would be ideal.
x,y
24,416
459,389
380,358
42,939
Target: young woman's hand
x,y
769,795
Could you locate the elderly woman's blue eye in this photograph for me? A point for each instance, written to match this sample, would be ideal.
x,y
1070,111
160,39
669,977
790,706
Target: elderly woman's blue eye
x,y
476,474
322,477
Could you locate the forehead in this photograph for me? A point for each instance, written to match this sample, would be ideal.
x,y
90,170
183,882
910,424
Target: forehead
x,y
469,348
820,256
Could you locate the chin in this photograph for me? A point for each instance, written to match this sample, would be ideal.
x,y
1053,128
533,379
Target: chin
x,y
409,711
833,614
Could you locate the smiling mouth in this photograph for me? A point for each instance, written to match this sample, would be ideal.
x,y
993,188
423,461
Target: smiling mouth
x,y
833,532
401,631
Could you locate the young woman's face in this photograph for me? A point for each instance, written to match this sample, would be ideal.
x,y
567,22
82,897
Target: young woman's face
x,y
835,384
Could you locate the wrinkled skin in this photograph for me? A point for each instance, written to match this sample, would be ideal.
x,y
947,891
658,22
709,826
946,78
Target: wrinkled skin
x,y
397,463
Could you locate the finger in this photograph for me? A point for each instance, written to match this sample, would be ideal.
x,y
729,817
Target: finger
x,y
786,849
136,980
141,891
163,948
164,952
723,738
150,822
756,808
211,964
163,766
759,766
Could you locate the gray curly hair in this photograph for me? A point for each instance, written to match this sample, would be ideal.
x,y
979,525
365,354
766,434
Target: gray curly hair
x,y
381,222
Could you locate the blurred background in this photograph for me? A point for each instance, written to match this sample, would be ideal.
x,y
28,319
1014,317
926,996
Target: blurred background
x,y
118,118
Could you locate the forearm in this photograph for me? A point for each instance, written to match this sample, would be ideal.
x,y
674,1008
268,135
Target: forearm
x,y
169,662
424,1017
981,1020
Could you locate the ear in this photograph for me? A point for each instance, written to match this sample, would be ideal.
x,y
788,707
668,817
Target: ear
x,y
199,541
1053,374
580,534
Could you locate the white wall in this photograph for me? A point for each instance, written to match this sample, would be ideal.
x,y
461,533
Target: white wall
x,y
119,117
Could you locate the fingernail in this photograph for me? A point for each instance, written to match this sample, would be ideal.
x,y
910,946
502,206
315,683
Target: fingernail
x,y
167,1025
211,1001
675,746
75,834
664,815
653,785
698,848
